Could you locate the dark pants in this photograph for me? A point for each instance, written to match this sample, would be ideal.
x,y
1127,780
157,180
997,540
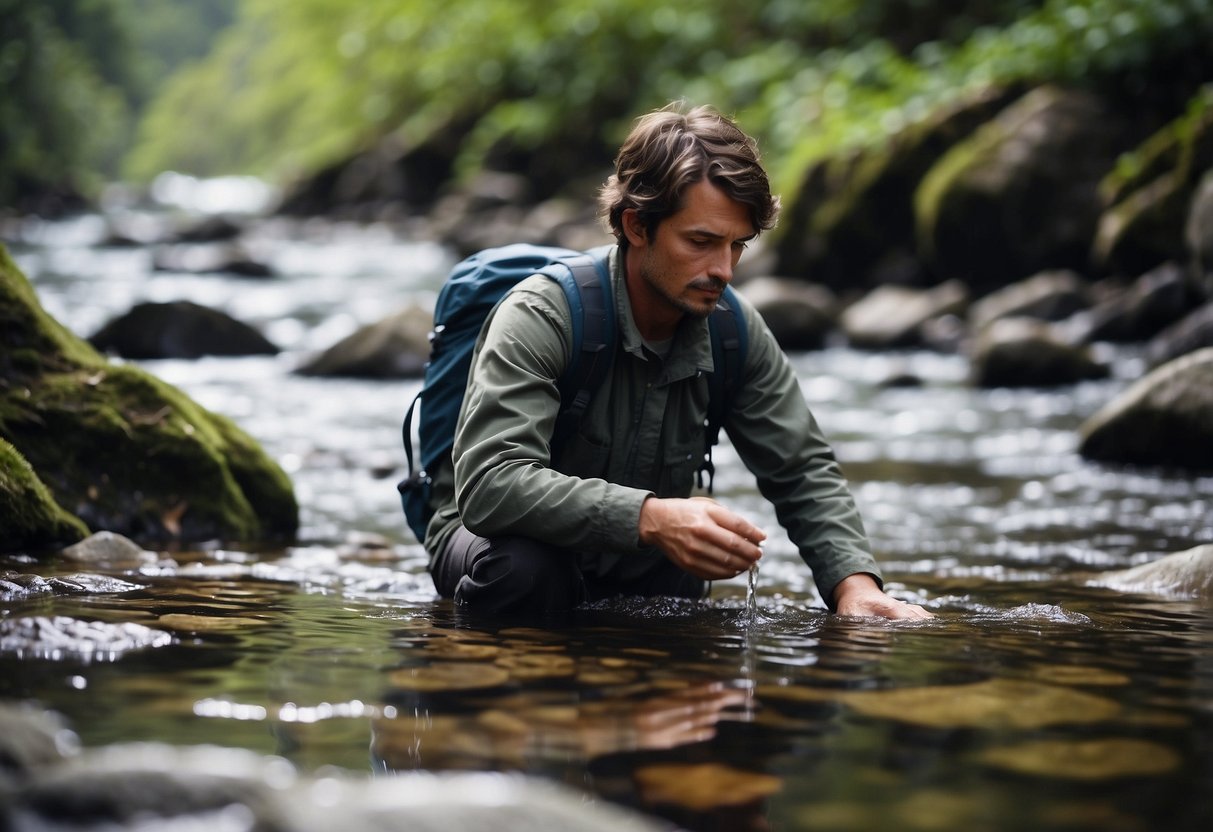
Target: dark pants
x,y
519,575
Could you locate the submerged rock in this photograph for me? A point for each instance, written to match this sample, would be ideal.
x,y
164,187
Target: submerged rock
x,y
119,448
1165,419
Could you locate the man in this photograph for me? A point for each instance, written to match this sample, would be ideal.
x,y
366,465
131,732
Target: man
x,y
518,531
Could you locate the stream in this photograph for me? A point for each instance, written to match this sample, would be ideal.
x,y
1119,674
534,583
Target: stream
x,y
1036,699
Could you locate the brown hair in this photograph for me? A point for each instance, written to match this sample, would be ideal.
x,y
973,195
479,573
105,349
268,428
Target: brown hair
x,y
668,150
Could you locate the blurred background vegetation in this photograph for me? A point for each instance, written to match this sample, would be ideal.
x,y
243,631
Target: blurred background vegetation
x,y
98,90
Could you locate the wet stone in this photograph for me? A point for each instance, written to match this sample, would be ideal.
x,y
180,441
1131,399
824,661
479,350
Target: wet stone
x,y
108,548
61,637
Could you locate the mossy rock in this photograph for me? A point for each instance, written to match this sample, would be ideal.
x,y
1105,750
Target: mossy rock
x,y
122,450
1021,194
32,518
1149,192
852,222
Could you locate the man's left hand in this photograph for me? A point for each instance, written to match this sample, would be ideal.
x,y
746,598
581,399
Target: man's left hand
x,y
859,595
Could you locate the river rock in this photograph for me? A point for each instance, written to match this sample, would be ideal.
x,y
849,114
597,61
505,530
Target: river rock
x,y
119,448
1165,419
1052,295
1154,301
108,549
1021,194
31,517
396,347
895,316
1024,352
141,786
30,739
1187,574
1185,336
179,329
60,637
800,315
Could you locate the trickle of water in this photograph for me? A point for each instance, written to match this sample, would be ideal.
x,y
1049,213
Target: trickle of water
x,y
751,596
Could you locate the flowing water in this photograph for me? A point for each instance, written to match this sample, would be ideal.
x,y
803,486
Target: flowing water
x,y
1035,700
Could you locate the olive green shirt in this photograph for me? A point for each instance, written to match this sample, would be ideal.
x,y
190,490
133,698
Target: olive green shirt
x,y
642,435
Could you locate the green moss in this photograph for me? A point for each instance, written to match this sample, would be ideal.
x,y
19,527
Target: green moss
x,y
123,450
32,518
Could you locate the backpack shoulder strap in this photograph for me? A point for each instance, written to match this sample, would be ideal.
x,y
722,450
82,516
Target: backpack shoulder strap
x,y
586,281
730,340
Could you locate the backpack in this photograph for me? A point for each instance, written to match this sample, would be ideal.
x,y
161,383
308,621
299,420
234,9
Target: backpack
x,y
473,288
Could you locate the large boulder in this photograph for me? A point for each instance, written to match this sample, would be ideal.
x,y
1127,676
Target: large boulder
x,y
122,450
179,329
851,224
1165,419
1149,194
396,347
1021,194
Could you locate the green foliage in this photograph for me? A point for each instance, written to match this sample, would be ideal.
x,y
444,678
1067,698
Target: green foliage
x,y
295,86
62,115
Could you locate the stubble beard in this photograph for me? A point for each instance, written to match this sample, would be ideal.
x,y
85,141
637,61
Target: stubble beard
x,y
653,278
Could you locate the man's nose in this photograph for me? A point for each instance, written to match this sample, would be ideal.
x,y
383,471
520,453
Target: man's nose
x,y
722,263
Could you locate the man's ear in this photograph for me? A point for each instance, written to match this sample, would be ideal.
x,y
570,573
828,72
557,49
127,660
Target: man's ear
x,y
633,227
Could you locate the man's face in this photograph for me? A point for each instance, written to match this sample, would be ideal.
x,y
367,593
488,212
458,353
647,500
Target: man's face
x,y
687,262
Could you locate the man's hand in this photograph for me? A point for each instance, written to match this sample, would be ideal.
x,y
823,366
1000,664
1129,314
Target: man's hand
x,y
701,536
859,595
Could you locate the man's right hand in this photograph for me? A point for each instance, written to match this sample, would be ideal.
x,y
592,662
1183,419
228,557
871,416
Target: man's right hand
x,y
701,536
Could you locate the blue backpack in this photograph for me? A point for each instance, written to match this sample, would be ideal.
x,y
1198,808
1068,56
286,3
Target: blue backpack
x,y
470,293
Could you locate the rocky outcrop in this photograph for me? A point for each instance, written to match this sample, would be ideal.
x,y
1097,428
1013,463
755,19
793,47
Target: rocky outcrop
x,y
180,329
121,450
1020,195
1148,196
1164,420
852,223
